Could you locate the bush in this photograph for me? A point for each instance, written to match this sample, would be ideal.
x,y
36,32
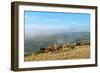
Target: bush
x,y
38,52
27,54
72,46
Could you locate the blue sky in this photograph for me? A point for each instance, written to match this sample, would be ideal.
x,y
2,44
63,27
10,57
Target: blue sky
x,y
39,22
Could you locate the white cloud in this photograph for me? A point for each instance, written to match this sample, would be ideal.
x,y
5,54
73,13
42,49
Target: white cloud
x,y
35,17
26,16
52,20
74,23
31,17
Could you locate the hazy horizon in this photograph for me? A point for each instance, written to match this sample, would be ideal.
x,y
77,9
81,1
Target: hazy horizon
x,y
47,23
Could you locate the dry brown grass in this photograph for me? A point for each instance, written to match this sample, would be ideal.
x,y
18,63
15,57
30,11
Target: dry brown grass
x,y
79,52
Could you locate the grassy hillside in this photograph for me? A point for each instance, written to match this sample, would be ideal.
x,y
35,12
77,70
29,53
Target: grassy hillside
x,y
79,52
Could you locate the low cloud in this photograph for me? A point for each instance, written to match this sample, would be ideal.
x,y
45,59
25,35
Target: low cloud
x,y
37,30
